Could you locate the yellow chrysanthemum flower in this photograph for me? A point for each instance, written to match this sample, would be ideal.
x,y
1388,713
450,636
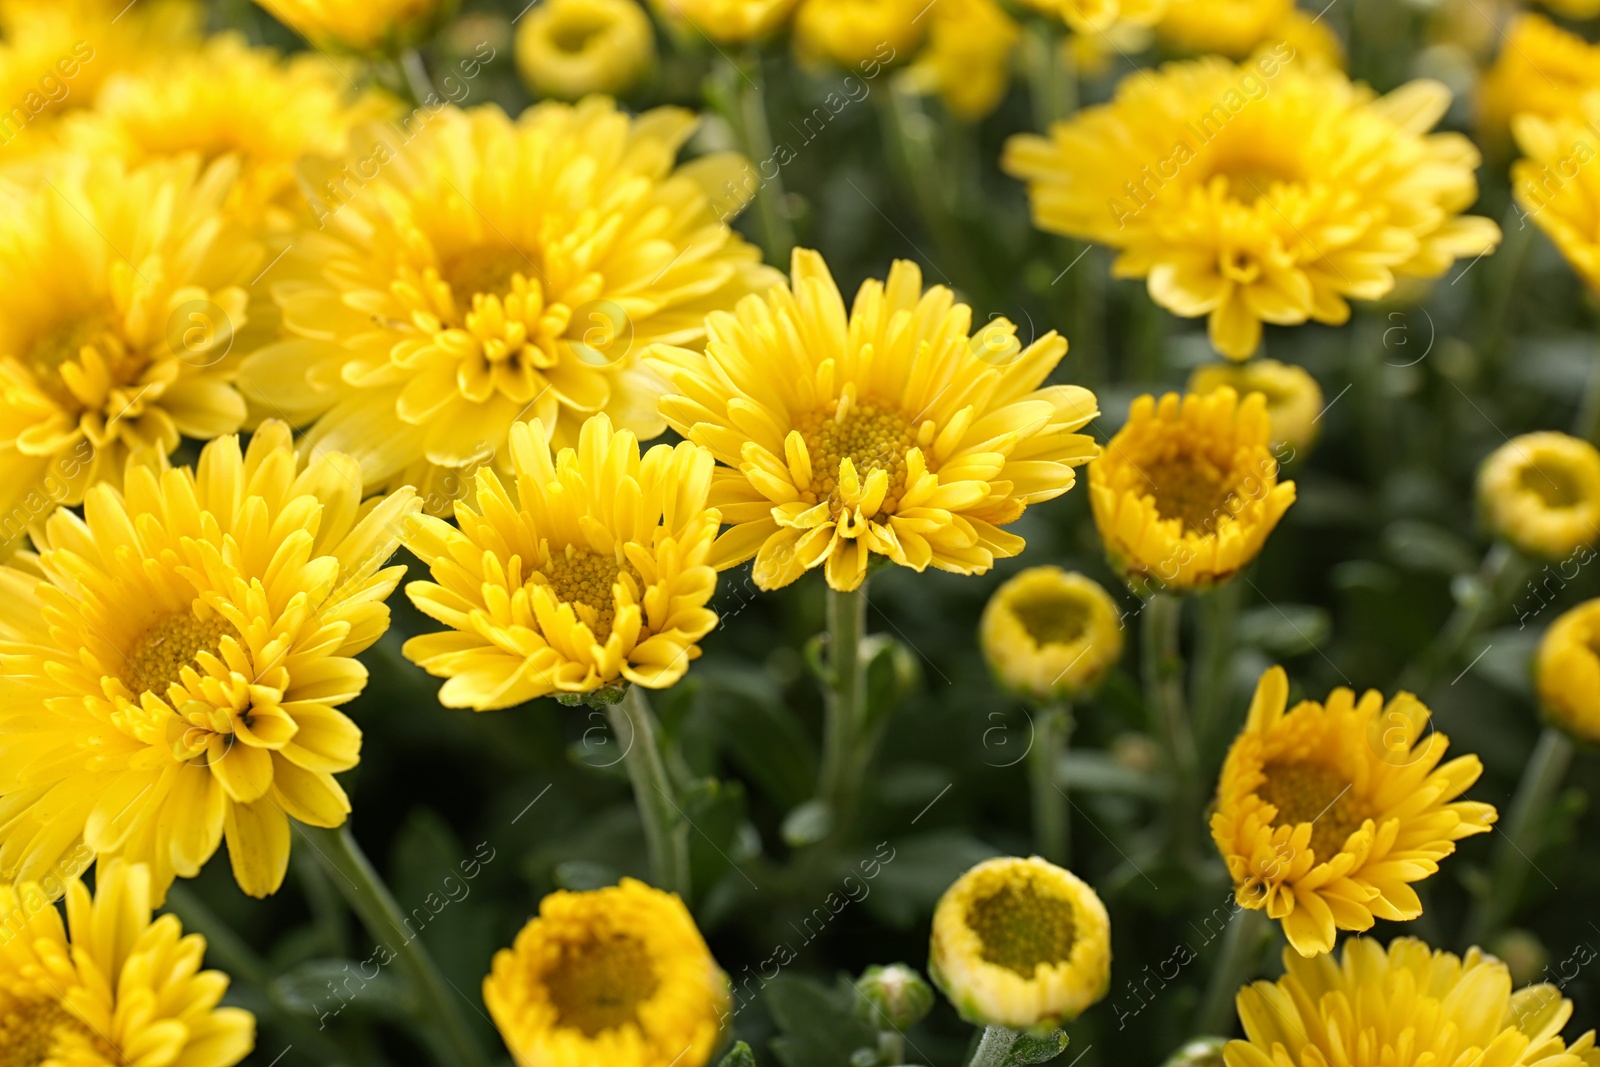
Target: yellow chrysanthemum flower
x,y
967,58
850,32
1404,1004
229,98
892,429
172,662
619,976
1049,633
1269,191
1541,492
1096,16
1558,184
1236,28
1326,814
1568,672
1542,70
1020,943
597,574
1574,9
571,48
494,271
109,986
1294,399
726,21
1186,493
361,25
102,356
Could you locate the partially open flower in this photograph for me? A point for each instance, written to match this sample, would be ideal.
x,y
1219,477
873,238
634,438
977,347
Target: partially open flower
x,y
570,48
1569,672
361,25
1294,399
727,21
1541,492
968,58
851,32
1236,28
1557,185
617,976
1096,16
1050,633
1020,943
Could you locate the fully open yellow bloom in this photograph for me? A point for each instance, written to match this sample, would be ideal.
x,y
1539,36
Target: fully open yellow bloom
x,y
101,356
1020,943
109,987
726,21
1269,191
361,25
619,976
1406,1004
171,664
1326,814
850,32
1236,28
1558,184
597,573
892,429
1541,492
1542,70
967,58
492,271
1568,670
570,48
1187,492
1097,16
1049,633
1294,399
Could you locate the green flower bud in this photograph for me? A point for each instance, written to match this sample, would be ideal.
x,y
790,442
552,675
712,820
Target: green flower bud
x,y
892,997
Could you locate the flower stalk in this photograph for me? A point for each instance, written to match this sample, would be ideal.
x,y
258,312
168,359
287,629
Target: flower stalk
x,y
1241,953
666,840
739,92
845,704
1502,571
1052,821
1163,686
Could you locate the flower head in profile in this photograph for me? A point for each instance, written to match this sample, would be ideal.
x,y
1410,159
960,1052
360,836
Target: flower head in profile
x,y
1096,16
852,32
1020,943
596,573
1272,191
1049,633
1187,492
619,976
1326,813
1404,1004
385,26
1237,28
1568,672
102,356
109,986
891,429
1557,184
967,57
726,21
489,271
1294,399
1541,492
570,48
1542,70
172,663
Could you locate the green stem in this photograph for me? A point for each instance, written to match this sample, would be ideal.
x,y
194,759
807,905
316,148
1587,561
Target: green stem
x,y
1214,646
1051,78
326,910
665,832
441,1021
1502,570
417,80
994,1047
1513,855
922,170
845,707
224,948
1588,426
1509,261
1163,683
1052,825
891,1047
741,94
1241,954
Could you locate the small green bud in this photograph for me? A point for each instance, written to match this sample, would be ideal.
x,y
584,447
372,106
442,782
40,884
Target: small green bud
x,y
893,997
739,1056
1201,1052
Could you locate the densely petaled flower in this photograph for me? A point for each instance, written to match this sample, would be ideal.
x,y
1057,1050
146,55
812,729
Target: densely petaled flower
x,y
1407,1004
109,987
171,664
570,48
851,32
102,355
1541,492
361,25
1326,814
1542,70
1020,943
481,271
891,429
230,98
1097,16
596,573
1186,493
1269,191
967,58
1568,671
1049,633
1294,399
1558,184
726,21
619,976
1236,28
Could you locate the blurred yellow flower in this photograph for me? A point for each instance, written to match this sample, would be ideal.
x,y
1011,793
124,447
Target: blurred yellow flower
x,y
967,58
1096,16
890,430
1558,184
1574,9
482,271
1326,813
1020,943
617,976
597,573
1542,70
850,32
570,48
1049,633
102,356
1236,28
172,662
726,21
1541,492
109,986
1269,191
1186,493
228,98
1568,671
1404,1004
361,25
1294,399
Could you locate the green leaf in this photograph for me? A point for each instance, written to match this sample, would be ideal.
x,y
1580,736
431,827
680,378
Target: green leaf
x,y
1038,1048
1422,546
763,739
893,672
915,872
1285,630
715,811
818,1024
739,1056
325,989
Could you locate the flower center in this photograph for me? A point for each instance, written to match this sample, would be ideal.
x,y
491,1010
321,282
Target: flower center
x,y
871,436
61,344
574,34
1552,484
31,1033
1053,618
1189,489
599,985
586,580
171,643
488,269
1307,792
1020,926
